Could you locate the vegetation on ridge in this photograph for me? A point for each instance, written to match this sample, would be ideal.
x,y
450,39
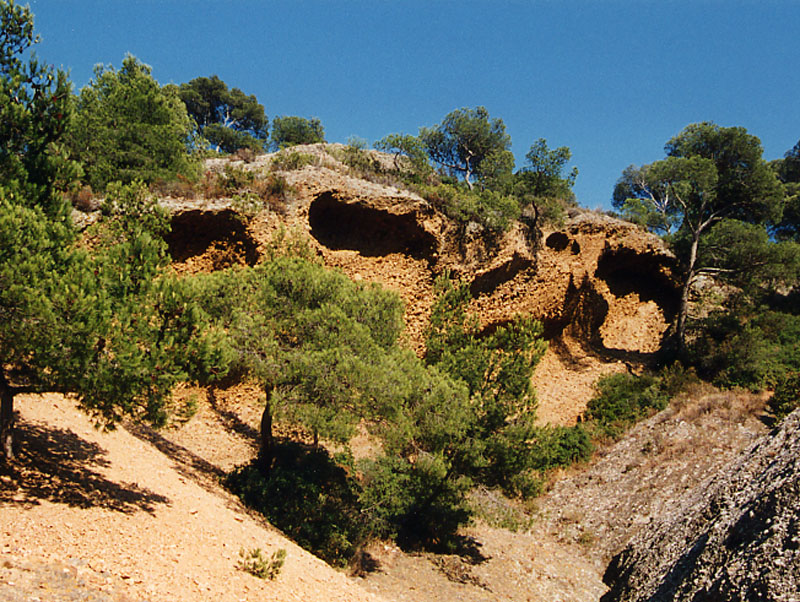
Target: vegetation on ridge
x,y
112,324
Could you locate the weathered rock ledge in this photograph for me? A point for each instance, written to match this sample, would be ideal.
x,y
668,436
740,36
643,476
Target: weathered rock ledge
x,y
735,537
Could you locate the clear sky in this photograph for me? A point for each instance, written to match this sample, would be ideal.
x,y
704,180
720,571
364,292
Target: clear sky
x,y
611,79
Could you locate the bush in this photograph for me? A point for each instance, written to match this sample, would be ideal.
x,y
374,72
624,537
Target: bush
x,y
254,562
786,397
493,211
292,161
415,503
250,190
246,154
752,352
559,446
83,199
623,399
309,497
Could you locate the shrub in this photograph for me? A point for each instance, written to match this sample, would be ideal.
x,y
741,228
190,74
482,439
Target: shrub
x,y
622,399
309,497
251,191
559,446
786,397
292,161
753,352
254,562
415,503
83,199
246,154
181,187
493,211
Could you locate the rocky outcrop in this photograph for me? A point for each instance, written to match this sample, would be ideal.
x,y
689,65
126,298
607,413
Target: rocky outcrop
x,y
735,537
600,283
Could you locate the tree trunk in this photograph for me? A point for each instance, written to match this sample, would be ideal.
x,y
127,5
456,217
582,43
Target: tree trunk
x,y
6,419
267,451
683,308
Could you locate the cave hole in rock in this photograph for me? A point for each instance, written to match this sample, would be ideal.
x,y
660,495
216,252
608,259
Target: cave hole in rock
x,y
557,241
196,232
626,271
489,281
340,225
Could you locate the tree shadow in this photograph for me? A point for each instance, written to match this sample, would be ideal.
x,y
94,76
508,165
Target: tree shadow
x,y
56,465
230,419
186,463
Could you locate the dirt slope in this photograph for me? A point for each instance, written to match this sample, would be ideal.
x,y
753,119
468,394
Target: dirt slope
x,y
136,522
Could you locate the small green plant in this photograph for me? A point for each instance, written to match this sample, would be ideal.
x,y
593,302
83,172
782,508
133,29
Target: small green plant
x,y
256,563
247,204
623,399
586,538
292,161
786,397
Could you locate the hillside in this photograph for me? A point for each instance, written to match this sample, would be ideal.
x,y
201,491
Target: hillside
x,y
128,514
603,288
734,538
138,514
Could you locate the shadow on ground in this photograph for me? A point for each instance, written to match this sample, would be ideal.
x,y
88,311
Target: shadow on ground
x,y
57,465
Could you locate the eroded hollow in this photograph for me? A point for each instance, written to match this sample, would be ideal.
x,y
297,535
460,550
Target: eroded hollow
x,y
626,271
490,280
220,234
557,241
339,225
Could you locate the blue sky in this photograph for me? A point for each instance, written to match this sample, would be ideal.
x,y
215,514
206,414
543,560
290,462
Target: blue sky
x,y
611,79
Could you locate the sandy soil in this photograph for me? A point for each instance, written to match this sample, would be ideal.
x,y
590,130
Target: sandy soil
x,y
139,521
139,515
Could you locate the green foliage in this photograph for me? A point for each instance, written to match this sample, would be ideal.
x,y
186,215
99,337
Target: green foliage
x,y
308,497
420,502
751,349
254,562
788,171
293,130
496,367
493,211
710,174
292,161
127,127
786,397
250,190
35,109
543,184
560,446
748,259
356,156
227,118
316,342
463,142
744,188
623,399
544,172
410,156
107,327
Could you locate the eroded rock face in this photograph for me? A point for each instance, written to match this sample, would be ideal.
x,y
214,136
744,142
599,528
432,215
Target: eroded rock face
x,y
600,283
735,537
209,239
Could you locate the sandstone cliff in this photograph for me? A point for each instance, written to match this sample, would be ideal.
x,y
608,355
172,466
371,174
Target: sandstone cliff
x,y
603,288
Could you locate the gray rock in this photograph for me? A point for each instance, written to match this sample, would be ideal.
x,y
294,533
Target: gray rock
x,y
735,537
